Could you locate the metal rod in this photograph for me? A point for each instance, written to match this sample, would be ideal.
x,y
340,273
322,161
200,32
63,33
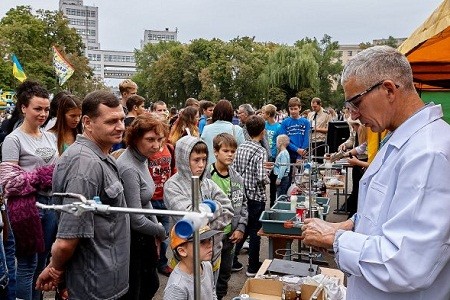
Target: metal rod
x,y
109,209
195,185
311,171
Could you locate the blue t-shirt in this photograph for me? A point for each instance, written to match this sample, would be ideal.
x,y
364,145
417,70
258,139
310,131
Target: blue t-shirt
x,y
201,124
298,132
272,131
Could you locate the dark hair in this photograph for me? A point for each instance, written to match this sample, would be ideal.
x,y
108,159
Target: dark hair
x,y
200,148
205,104
55,103
294,101
143,124
93,100
66,103
224,139
25,91
223,111
134,100
255,125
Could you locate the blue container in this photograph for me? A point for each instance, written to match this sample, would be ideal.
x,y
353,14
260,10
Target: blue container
x,y
273,222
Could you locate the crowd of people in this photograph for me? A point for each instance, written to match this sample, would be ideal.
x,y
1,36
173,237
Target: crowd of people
x,y
129,156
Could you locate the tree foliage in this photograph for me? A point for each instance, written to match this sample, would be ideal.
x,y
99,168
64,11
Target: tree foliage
x,y
241,70
31,37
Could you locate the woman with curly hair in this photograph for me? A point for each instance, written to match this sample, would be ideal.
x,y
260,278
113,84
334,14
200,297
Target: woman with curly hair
x,y
186,124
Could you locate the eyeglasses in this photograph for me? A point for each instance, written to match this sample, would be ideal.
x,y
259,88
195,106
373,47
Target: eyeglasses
x,y
353,103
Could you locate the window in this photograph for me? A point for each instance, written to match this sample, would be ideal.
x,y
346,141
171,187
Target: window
x,y
81,22
350,53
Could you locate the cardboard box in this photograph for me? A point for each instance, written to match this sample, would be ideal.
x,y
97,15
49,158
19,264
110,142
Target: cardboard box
x,y
307,291
333,273
263,289
270,289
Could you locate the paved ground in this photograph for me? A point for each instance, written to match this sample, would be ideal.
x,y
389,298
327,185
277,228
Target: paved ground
x,y
238,279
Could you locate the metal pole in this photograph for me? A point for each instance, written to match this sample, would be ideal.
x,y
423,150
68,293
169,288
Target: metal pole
x,y
195,185
310,199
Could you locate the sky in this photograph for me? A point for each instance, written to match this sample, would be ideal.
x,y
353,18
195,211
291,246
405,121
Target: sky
x,y
122,23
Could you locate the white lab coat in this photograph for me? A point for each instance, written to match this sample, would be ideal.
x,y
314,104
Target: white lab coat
x,y
400,247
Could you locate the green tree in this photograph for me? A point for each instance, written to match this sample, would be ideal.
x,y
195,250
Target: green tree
x,y
277,97
31,37
291,69
330,67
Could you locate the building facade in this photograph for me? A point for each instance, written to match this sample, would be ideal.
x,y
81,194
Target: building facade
x,y
104,63
156,36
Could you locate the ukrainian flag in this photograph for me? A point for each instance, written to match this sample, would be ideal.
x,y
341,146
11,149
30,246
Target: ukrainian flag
x,y
18,70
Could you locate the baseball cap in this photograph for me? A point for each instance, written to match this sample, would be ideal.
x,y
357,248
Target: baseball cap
x,y
205,233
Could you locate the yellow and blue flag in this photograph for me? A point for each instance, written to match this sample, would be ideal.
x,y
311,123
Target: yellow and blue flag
x,y
18,70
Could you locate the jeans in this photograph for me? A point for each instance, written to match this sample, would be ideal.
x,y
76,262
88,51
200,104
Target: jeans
x,y
9,293
4,277
225,266
164,220
283,187
29,267
255,209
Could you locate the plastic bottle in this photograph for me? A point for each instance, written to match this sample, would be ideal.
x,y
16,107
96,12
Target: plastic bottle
x,y
293,203
328,165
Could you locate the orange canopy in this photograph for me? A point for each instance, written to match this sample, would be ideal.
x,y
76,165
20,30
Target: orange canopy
x,y
428,49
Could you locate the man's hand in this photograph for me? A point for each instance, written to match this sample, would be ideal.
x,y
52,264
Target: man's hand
x,y
353,161
318,233
342,147
278,182
49,279
268,165
236,236
301,151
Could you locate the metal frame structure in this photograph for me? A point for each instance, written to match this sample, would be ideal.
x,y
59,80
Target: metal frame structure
x,y
94,205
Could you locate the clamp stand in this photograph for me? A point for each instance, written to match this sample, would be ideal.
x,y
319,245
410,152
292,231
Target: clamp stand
x,y
87,205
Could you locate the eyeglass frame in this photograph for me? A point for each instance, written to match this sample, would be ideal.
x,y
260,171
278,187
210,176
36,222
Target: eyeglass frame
x,y
352,104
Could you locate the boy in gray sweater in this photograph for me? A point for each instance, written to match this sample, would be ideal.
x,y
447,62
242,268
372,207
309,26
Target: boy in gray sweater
x,y
191,156
232,184
180,285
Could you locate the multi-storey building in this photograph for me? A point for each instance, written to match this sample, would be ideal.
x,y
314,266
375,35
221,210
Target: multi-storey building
x,y
104,63
349,50
156,36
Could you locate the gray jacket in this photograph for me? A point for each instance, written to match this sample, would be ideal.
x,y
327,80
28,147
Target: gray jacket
x,y
178,193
